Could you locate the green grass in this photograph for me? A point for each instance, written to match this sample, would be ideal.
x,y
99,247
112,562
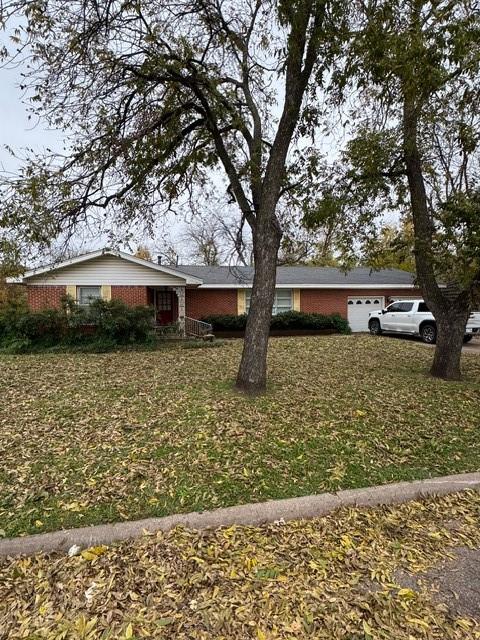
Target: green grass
x,y
90,438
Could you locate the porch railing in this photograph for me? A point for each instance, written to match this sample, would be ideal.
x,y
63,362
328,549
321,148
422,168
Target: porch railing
x,y
197,328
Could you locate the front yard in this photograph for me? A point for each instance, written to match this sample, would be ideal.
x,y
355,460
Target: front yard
x,y
383,574
95,438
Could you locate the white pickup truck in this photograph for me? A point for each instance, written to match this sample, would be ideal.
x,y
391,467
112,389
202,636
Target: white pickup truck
x,y
414,318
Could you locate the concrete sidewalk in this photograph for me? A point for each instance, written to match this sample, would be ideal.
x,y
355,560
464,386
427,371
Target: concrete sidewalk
x,y
250,514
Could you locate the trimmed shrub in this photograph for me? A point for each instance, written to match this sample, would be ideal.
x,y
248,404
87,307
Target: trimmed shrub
x,y
289,320
227,322
340,324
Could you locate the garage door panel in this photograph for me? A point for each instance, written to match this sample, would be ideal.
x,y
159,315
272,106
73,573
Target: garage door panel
x,y
359,308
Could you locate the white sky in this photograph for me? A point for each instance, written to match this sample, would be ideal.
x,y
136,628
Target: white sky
x,y
16,131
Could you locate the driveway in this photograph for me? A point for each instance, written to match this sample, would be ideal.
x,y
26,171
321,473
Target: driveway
x,y
472,347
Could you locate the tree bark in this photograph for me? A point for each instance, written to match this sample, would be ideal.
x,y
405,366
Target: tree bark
x,y
306,20
451,315
450,333
252,373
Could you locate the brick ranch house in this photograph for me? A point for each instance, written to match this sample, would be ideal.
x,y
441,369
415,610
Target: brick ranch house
x,y
198,291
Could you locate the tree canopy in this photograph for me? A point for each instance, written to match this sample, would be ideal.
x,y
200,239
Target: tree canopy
x,y
155,97
160,95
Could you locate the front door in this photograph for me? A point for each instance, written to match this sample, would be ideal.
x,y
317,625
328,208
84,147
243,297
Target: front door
x,y
165,307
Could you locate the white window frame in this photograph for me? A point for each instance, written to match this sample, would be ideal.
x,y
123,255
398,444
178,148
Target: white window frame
x,y
90,298
277,308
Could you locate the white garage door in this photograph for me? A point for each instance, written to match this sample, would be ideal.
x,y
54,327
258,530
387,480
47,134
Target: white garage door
x,y
359,308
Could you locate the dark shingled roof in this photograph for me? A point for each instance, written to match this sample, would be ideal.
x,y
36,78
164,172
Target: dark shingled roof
x,y
233,275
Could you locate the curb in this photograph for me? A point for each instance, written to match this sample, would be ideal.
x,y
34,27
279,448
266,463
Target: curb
x,y
249,514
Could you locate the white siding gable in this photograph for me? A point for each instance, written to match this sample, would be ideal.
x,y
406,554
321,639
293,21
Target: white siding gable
x,y
107,269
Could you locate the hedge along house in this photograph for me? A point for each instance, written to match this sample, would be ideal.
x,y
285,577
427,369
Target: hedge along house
x,y
183,292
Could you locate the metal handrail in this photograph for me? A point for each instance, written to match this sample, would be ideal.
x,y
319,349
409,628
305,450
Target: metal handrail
x,y
197,328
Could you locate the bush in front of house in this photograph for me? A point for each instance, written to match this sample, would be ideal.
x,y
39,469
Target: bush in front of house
x,y
311,321
119,322
9,312
227,322
19,326
287,321
103,325
340,324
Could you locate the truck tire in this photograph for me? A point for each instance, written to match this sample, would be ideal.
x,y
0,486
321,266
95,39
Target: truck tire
x,y
428,333
375,327
467,339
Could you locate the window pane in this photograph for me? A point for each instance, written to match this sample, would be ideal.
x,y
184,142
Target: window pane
x,y
406,306
164,300
395,307
281,303
423,307
87,294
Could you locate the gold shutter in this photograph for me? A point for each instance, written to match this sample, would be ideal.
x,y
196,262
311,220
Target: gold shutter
x,y
241,302
296,299
106,292
72,291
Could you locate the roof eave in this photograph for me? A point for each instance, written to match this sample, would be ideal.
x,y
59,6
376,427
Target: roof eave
x,y
299,285
192,280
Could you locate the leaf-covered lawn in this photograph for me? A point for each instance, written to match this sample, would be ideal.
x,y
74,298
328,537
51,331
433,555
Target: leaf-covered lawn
x,y
341,577
103,437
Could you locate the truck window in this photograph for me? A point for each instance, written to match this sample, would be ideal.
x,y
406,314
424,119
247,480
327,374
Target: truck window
x,y
393,308
400,307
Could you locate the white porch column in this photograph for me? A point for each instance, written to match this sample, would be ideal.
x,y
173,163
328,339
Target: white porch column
x,y
180,291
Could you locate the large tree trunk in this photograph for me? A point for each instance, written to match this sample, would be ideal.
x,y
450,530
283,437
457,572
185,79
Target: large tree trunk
x,y
450,332
303,47
252,373
450,317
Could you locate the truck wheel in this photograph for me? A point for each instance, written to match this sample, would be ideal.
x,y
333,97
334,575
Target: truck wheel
x,y
467,339
428,333
375,328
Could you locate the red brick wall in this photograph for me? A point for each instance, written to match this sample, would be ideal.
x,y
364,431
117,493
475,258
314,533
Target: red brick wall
x,y
45,296
335,300
132,295
206,302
